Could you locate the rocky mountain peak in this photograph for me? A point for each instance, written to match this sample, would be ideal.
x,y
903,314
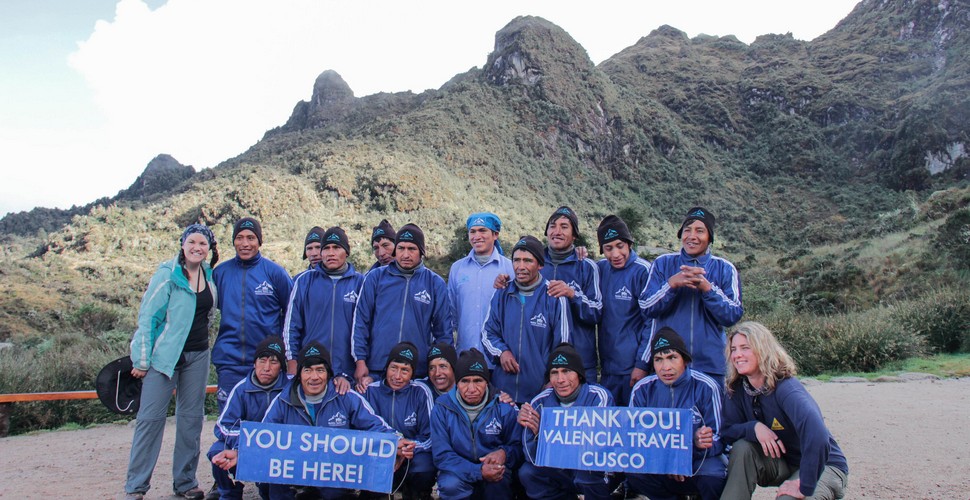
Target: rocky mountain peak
x,y
331,102
161,175
529,48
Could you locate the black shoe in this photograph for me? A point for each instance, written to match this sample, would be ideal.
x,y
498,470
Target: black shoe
x,y
213,493
192,494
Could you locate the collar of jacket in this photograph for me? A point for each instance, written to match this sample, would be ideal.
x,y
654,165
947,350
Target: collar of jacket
x,y
682,379
281,381
513,288
392,269
632,259
349,272
295,400
491,258
701,259
570,258
251,262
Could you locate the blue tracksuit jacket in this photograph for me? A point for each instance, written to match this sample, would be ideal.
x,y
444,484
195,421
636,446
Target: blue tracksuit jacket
x,y
458,443
589,395
409,412
795,417
252,298
350,411
247,401
624,330
394,307
700,318
697,392
585,308
529,326
321,309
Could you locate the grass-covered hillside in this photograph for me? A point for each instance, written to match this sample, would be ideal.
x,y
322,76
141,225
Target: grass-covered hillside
x,y
836,168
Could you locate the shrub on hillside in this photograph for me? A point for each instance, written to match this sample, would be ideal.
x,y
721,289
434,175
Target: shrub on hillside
x,y
954,238
942,317
849,342
93,319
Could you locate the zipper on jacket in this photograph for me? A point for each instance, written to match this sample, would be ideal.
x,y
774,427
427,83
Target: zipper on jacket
x,y
242,321
333,311
521,334
404,305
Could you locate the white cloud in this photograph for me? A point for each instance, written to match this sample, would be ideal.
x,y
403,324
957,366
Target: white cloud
x,y
203,80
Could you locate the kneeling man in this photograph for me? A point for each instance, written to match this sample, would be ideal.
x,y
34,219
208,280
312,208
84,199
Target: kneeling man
x,y
567,377
476,442
676,385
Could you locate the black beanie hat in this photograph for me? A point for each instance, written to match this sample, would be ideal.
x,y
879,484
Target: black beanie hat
x,y
250,224
314,354
443,350
383,230
411,233
666,339
315,235
701,214
271,346
403,352
533,246
613,228
471,362
568,213
566,356
337,236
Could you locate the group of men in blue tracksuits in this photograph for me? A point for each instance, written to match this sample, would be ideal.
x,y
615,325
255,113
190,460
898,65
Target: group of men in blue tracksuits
x,y
377,349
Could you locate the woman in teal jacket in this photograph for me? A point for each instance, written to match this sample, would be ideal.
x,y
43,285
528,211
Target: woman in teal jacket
x,y
170,351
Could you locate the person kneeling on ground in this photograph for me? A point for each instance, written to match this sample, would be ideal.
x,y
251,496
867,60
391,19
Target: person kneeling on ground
x,y
247,401
476,442
567,377
676,385
312,400
778,434
406,406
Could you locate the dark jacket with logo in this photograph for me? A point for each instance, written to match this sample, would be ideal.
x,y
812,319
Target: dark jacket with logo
x,y
321,309
624,330
694,391
458,443
395,307
252,298
586,307
349,411
796,419
408,411
246,402
700,318
529,326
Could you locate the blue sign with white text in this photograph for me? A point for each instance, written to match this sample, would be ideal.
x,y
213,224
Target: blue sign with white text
x,y
316,456
615,439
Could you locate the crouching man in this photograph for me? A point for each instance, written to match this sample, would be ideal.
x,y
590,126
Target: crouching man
x,y
476,442
247,401
406,406
312,400
567,377
676,385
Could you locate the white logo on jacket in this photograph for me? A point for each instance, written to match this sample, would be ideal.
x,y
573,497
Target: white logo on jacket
x,y
412,420
538,320
351,297
337,420
623,294
494,427
264,288
423,296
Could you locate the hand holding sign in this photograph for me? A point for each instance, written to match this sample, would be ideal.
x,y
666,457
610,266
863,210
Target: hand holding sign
x,y
704,438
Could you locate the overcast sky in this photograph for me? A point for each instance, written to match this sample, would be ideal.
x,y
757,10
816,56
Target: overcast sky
x,y
91,91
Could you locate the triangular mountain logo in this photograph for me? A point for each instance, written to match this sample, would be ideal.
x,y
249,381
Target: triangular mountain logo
x,y
333,237
776,425
611,234
560,360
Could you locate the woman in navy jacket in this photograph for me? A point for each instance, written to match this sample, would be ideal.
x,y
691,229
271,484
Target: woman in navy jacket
x,y
779,436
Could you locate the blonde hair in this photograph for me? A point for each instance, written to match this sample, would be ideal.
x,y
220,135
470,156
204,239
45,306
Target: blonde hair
x,y
774,363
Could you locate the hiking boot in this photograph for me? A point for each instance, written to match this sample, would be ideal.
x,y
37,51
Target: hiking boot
x,y
193,494
213,493
134,496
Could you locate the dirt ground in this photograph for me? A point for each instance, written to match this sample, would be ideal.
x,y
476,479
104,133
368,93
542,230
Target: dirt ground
x,y
902,439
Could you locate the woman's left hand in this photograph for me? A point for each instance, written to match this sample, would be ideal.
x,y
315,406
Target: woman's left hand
x,y
135,372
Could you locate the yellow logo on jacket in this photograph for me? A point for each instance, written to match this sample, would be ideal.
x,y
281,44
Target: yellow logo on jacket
x,y
776,425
